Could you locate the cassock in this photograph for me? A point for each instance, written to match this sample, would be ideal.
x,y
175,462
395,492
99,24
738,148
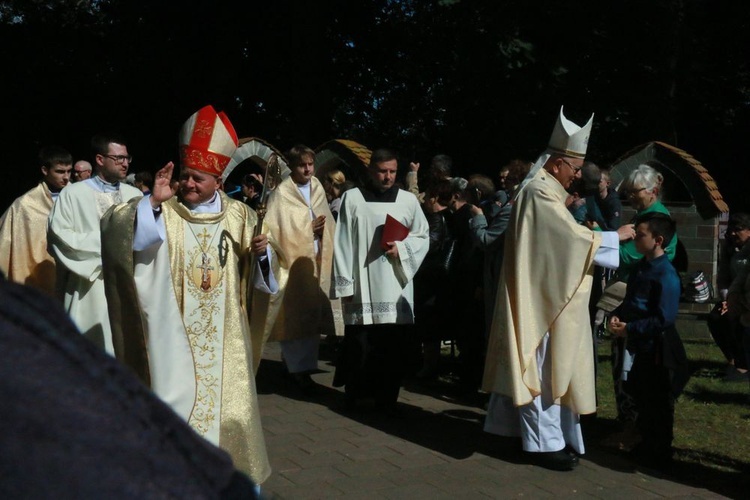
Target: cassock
x,y
302,311
539,357
379,290
74,238
180,318
23,240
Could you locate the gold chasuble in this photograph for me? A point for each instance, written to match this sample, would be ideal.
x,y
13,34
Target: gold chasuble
x,y
302,307
180,319
23,241
544,287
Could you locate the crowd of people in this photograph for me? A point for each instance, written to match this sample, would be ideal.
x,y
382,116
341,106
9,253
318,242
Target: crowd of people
x,y
185,285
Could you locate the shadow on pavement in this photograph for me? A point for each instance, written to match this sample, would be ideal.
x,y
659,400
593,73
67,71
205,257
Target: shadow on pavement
x,y
458,433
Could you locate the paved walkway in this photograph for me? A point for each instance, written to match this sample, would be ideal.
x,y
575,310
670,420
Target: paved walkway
x,y
318,449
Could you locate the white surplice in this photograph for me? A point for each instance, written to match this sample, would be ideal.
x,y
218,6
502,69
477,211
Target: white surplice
x,y
382,289
74,239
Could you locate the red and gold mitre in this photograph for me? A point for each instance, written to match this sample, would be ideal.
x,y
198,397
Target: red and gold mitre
x,y
207,141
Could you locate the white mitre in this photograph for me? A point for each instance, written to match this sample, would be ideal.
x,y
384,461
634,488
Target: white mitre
x,y
568,139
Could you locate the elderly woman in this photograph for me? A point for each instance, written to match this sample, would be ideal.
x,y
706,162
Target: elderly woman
x,y
642,187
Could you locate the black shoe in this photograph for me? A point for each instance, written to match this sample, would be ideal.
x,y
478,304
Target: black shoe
x,y
303,380
552,460
575,456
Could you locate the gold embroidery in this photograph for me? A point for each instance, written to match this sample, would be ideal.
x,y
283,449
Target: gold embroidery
x,y
205,284
203,128
202,160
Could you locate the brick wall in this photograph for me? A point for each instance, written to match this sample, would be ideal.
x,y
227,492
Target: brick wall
x,y
699,236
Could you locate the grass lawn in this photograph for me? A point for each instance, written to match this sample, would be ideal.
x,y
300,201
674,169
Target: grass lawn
x,y
712,420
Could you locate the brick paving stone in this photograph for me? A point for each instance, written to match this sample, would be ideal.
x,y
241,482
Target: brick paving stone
x,y
405,447
519,489
321,446
282,451
322,459
283,464
342,434
406,477
290,428
626,491
371,453
333,422
298,416
417,460
271,411
664,487
367,468
414,491
313,475
351,485
284,439
310,492
456,487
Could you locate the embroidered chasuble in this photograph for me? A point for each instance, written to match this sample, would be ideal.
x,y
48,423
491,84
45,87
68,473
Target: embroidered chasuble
x,y
544,286
382,289
302,308
180,319
23,240
75,241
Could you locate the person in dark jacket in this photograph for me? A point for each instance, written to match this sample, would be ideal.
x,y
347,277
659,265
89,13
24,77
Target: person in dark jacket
x,y
646,321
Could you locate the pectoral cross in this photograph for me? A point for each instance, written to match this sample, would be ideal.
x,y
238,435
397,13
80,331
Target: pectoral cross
x,y
206,269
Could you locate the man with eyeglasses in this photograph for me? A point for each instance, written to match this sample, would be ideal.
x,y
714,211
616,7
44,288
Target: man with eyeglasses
x,y
540,362
81,171
75,238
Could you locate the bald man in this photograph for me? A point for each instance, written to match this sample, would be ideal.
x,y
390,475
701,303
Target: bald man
x,y
81,171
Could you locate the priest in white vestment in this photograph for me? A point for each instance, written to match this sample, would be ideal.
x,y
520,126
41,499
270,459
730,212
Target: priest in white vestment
x,y
376,283
301,223
74,237
23,227
539,365
177,273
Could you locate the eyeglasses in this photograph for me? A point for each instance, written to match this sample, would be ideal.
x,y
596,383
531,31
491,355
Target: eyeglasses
x,y
119,159
574,169
634,192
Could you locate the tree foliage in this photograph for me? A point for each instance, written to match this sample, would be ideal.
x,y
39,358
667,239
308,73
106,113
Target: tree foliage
x,y
479,80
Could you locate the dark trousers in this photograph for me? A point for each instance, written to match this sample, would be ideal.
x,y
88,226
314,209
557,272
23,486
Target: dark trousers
x,y
728,337
649,383
374,361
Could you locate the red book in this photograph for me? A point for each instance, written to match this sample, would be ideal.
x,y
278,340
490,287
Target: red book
x,y
392,231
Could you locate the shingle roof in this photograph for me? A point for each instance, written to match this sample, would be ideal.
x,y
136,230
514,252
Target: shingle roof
x,y
700,184
349,156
